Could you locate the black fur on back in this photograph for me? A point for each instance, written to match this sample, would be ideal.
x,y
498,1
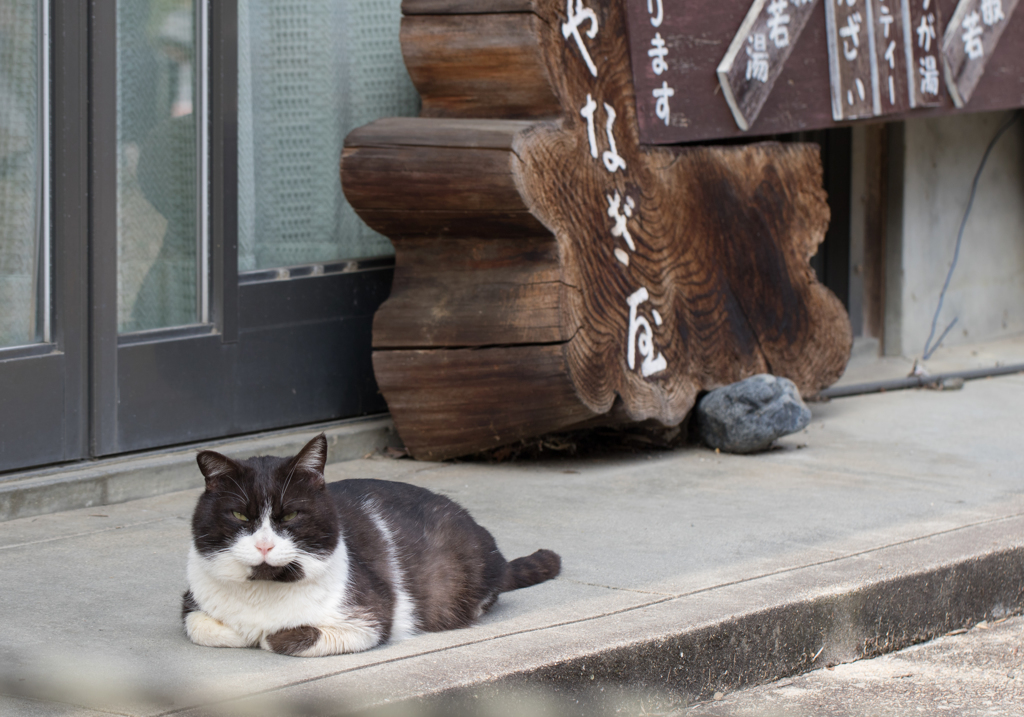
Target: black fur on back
x,y
453,568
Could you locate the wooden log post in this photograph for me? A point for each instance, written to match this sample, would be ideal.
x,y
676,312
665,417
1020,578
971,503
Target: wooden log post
x,y
550,271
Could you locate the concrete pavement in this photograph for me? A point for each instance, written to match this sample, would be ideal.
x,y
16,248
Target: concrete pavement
x,y
891,519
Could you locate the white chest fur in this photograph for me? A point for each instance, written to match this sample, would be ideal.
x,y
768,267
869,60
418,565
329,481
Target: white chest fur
x,y
256,609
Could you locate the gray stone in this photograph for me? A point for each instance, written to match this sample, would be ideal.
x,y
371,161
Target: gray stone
x,y
748,415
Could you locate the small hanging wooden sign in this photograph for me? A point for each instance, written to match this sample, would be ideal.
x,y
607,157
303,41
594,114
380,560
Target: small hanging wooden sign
x,y
852,62
891,61
758,53
922,20
971,37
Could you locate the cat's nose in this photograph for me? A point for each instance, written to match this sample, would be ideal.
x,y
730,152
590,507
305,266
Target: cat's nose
x,y
264,546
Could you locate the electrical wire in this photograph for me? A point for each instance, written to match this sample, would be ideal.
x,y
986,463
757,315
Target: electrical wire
x,y
919,381
928,348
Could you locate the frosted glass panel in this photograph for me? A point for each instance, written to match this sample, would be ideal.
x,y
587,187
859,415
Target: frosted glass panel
x,y
22,256
309,72
157,164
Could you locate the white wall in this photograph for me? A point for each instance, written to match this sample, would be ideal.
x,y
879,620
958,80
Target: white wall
x,y
986,293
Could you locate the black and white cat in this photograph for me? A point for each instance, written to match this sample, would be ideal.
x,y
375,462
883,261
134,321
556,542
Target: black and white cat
x,y
284,561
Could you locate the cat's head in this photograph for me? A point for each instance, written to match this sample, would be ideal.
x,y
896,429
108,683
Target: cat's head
x,y
266,518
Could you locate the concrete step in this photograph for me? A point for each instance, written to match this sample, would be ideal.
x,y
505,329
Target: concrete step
x,y
122,478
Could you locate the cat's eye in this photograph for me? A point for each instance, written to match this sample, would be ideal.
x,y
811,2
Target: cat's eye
x,y
288,517
240,516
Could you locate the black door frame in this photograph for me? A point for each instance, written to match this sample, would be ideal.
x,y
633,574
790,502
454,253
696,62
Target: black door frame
x,y
282,347
44,385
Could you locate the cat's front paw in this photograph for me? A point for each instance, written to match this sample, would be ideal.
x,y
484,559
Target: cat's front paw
x,y
296,641
309,641
210,632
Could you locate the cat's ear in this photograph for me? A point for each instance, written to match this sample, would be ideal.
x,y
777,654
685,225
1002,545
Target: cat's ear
x,y
216,468
311,460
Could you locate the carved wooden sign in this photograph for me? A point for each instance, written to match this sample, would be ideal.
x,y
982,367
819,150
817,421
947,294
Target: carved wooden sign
x,y
972,36
552,272
889,50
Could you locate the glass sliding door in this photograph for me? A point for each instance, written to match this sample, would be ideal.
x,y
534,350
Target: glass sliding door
x,y
25,271
42,381
309,72
161,182
177,259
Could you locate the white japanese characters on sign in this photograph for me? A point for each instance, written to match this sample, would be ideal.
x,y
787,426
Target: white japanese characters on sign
x,y
657,54
992,12
891,55
926,32
969,41
757,57
661,108
611,158
778,21
657,15
571,28
921,26
929,72
641,336
621,207
612,161
620,214
851,36
972,36
853,58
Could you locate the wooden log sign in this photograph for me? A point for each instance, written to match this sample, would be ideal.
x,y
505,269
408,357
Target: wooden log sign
x,y
550,271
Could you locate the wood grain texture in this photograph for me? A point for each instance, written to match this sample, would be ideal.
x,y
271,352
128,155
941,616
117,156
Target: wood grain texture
x,y
724,236
478,66
440,224
474,292
450,402
511,310
441,178
425,132
430,179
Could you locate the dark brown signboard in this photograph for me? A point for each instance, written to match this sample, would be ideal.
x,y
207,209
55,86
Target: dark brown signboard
x,y
692,37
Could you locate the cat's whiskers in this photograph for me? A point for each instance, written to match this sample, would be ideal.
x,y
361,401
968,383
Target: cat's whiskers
x,y
288,479
239,486
240,497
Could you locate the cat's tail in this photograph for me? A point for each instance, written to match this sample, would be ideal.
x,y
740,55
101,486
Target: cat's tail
x,y
532,569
